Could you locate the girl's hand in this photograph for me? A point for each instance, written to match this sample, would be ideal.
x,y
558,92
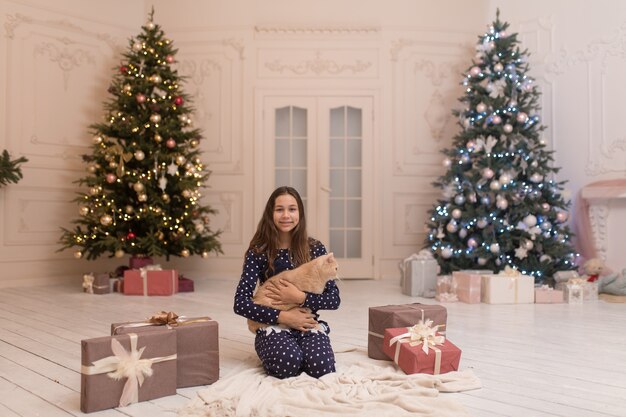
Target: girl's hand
x,y
284,292
298,318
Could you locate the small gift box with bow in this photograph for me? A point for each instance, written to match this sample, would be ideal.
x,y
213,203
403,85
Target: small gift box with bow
x,y
120,370
96,284
138,261
185,284
589,289
419,275
468,284
420,349
508,287
150,280
198,360
384,317
548,295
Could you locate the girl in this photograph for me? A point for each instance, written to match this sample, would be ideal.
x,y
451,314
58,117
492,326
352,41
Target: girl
x,y
281,243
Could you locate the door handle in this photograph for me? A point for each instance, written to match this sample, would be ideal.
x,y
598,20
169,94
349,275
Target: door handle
x,y
328,190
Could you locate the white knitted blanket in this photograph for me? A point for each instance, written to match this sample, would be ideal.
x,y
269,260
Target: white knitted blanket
x,y
360,387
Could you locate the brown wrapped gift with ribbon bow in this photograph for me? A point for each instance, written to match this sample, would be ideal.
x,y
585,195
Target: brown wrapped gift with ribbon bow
x,y
198,360
404,315
120,370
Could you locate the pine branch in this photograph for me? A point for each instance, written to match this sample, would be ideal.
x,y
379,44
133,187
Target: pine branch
x,y
10,171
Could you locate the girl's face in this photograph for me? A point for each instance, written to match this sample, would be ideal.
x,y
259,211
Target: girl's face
x,y
286,213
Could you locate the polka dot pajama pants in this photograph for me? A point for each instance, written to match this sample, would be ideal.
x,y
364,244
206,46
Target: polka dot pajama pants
x,y
291,352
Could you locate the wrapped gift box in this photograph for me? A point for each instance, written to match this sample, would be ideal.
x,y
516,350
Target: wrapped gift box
x,y
384,317
412,359
503,288
419,277
198,361
185,284
101,356
548,295
590,289
138,262
96,284
573,292
468,285
150,282
446,289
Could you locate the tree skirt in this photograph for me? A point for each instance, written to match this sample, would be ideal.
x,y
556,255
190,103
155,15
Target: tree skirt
x,y
360,387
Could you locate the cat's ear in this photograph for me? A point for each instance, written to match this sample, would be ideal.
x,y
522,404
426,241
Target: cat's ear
x,y
331,257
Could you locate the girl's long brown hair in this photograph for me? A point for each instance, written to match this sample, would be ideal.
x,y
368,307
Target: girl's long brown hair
x,y
265,240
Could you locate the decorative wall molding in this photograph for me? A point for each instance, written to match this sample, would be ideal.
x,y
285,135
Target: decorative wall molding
x,y
65,58
596,61
425,79
318,66
16,20
214,72
315,31
598,218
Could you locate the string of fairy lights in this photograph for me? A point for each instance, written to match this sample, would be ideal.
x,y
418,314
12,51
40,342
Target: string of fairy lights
x,y
133,171
499,166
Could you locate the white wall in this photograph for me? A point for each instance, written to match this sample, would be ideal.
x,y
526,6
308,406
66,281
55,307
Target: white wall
x,y
56,65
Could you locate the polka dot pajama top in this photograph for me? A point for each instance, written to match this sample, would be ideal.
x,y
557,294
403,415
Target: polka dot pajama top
x,y
287,353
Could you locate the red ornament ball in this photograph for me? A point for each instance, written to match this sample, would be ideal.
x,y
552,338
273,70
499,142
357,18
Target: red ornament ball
x,y
171,143
178,100
130,235
140,98
169,59
123,69
111,178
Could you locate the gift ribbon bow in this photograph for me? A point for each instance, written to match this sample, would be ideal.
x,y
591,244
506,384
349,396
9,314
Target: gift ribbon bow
x,y
163,318
509,272
576,281
88,283
143,272
126,364
423,332
124,157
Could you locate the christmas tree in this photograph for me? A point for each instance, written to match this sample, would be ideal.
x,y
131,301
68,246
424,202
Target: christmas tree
x,y
144,173
501,205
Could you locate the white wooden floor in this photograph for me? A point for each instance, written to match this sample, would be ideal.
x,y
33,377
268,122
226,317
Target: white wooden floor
x,y
534,360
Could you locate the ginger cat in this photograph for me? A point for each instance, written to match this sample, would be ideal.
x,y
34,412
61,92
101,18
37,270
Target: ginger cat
x,y
309,277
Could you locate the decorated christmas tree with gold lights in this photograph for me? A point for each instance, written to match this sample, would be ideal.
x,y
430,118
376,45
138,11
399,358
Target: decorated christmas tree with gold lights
x,y
142,191
501,205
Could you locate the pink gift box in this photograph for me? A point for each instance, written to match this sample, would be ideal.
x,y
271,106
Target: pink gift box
x,y
185,284
137,262
548,295
468,285
152,282
412,359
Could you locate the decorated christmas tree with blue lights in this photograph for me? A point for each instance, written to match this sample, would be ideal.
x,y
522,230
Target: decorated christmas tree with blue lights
x,y
501,205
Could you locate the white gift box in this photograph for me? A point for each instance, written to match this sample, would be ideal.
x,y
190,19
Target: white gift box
x,y
507,289
573,293
419,277
589,289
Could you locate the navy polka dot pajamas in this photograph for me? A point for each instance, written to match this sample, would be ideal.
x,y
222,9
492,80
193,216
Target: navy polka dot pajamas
x,y
287,353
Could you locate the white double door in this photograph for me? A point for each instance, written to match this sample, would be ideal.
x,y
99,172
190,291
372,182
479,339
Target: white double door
x,y
323,147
